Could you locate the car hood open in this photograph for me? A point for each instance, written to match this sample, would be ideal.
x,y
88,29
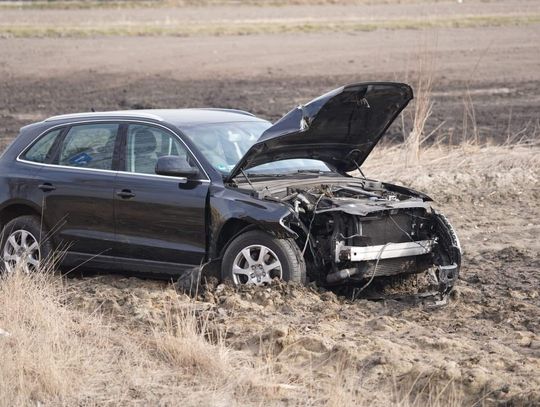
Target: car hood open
x,y
340,127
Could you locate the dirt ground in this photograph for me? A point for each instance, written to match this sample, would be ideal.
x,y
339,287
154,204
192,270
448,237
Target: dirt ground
x,y
483,348
268,74
486,342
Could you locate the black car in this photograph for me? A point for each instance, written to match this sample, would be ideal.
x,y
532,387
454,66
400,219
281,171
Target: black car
x,y
164,191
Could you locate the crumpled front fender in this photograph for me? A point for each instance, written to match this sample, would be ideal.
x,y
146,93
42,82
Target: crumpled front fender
x,y
226,204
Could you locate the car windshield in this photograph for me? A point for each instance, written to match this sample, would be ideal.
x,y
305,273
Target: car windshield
x,y
224,144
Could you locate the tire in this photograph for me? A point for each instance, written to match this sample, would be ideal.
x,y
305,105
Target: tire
x,y
241,271
28,234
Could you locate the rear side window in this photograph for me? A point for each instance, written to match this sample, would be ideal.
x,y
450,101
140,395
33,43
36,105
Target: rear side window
x,y
41,150
89,146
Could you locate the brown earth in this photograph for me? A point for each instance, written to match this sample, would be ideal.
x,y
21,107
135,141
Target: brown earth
x,y
485,345
270,73
483,348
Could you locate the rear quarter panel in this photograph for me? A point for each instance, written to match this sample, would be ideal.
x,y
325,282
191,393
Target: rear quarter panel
x,y
18,180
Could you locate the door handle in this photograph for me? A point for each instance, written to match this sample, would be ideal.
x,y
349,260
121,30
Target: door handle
x,y
47,187
125,194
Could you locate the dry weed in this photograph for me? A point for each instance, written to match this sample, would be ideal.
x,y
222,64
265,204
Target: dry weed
x,y
48,351
450,173
413,127
184,344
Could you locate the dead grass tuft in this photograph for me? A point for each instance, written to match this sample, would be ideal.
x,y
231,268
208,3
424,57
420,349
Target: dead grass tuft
x,y
184,344
423,104
467,171
48,350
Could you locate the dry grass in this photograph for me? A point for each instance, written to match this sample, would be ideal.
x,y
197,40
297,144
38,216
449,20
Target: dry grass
x,y
48,352
54,354
422,104
449,173
182,344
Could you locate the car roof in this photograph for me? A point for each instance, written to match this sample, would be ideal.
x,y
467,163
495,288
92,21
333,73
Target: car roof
x,y
177,117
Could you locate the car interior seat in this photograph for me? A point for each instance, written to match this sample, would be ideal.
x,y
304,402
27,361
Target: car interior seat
x,y
145,157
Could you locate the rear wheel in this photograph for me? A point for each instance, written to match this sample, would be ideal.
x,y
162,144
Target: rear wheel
x,y
257,258
21,245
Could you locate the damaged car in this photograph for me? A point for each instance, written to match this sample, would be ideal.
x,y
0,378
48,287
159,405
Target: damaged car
x,y
162,192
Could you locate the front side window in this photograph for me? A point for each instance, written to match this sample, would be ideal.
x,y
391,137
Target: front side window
x,y
89,146
145,144
41,150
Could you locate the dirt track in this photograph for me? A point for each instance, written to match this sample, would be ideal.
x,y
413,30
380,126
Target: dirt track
x,y
487,341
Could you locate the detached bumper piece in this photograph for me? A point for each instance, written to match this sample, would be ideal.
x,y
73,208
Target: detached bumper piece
x,y
381,252
448,274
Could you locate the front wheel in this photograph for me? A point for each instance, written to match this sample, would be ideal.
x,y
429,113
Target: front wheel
x,y
257,258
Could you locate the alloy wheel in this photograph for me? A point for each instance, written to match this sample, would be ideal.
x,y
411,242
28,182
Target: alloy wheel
x,y
21,249
256,264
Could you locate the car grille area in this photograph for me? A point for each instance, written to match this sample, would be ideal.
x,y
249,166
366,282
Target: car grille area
x,y
393,267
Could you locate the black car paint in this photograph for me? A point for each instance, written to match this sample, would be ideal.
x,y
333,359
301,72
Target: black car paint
x,y
151,223
100,230
340,127
233,210
148,223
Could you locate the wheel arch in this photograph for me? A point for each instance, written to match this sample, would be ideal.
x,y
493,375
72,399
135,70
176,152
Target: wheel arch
x,y
16,209
230,212
229,231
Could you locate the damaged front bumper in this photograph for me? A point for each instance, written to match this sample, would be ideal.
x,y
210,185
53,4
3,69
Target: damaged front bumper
x,y
379,252
439,255
361,257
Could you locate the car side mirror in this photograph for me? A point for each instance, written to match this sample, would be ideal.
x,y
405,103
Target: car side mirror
x,y
175,166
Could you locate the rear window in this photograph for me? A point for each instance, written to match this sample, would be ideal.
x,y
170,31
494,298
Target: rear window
x,y
41,150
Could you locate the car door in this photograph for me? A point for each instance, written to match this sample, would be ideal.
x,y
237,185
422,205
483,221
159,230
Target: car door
x,y
160,220
78,185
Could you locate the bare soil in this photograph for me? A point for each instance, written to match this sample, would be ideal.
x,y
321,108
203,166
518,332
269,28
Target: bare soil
x,y
345,9
486,342
483,347
269,74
